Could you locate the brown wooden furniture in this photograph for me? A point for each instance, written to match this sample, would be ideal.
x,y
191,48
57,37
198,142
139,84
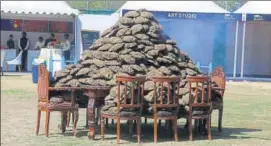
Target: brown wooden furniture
x,y
44,104
129,103
200,105
165,103
218,78
94,94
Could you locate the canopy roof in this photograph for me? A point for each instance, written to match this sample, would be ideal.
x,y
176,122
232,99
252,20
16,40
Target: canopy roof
x,y
255,7
176,6
38,7
97,22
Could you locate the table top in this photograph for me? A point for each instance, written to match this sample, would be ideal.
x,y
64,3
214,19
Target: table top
x,y
80,88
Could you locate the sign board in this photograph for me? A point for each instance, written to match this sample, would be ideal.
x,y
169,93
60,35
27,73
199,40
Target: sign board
x,y
11,25
258,17
60,27
35,26
193,15
88,37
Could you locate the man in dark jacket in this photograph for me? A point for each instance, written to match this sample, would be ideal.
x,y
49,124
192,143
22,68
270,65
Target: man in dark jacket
x,y
23,46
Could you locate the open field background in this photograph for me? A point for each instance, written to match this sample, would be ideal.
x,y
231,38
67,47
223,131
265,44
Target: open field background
x,y
246,120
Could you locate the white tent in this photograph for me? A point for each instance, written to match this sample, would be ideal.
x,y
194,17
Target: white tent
x,y
94,23
255,7
38,7
175,6
47,11
256,40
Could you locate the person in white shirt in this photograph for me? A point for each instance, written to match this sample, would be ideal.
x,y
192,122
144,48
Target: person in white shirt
x,y
39,44
66,47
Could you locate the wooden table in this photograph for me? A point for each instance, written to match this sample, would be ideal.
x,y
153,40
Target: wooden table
x,y
94,93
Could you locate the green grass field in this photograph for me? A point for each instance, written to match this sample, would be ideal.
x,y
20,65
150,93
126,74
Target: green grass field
x,y
246,120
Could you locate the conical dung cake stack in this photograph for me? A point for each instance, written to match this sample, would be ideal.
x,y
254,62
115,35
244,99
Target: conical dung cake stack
x,y
134,46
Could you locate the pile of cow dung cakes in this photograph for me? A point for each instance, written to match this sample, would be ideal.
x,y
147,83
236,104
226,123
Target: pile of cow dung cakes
x,y
135,46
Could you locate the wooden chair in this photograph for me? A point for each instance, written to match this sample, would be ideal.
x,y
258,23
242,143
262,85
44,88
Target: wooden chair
x,y
129,104
218,78
165,103
200,106
44,104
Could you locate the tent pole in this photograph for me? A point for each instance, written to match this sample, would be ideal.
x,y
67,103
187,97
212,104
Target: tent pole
x,y
243,50
75,41
235,48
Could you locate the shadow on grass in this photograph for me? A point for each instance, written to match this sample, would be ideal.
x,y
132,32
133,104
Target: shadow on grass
x,y
163,134
167,135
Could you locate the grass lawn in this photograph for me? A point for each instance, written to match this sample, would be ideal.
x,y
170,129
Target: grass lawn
x,y
246,120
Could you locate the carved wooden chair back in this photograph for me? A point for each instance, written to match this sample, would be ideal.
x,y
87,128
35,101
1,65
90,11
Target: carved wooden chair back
x,y
43,84
218,77
132,93
200,93
166,93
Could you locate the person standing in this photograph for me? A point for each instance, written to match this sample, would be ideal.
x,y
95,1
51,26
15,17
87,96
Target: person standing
x,y
49,40
10,42
39,44
66,47
23,46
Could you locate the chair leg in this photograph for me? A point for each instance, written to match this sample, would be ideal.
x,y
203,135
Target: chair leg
x,y
138,130
86,117
73,117
146,121
155,129
209,128
190,129
106,122
220,114
102,128
76,118
97,119
186,125
64,121
130,124
118,130
38,122
68,118
112,122
47,119
175,129
159,123
196,126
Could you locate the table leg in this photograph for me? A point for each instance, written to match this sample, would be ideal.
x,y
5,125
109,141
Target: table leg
x,y
91,117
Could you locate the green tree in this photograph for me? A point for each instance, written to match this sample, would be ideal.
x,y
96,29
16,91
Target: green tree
x,y
96,4
231,5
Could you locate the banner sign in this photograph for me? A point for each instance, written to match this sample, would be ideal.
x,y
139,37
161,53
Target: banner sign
x,y
35,26
60,27
258,17
11,25
192,15
88,37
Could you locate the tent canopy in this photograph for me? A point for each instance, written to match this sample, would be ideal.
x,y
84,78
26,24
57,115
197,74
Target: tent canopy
x,y
38,7
176,6
97,22
255,7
